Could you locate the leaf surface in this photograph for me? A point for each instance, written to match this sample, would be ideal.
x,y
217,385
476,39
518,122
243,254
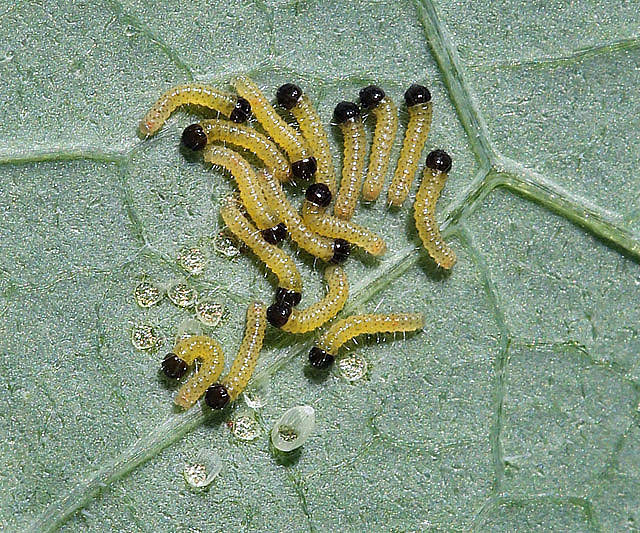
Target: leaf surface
x,y
515,408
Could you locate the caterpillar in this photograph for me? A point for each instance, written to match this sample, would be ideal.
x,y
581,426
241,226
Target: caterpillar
x,y
323,354
347,116
335,251
301,321
317,198
196,347
237,109
385,112
304,164
197,136
248,184
435,175
230,386
276,259
418,100
291,97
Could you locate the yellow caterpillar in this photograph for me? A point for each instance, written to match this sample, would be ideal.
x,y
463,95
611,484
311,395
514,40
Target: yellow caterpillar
x,y
248,184
291,97
282,316
197,136
238,109
197,347
335,251
435,175
314,214
384,110
231,385
418,99
323,355
304,164
276,259
347,116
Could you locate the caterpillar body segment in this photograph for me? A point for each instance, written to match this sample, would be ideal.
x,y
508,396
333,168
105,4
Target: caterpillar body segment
x,y
225,131
209,353
434,177
317,245
238,109
276,259
385,112
347,117
247,357
324,224
316,136
418,99
346,329
303,164
248,184
304,320
291,97
323,354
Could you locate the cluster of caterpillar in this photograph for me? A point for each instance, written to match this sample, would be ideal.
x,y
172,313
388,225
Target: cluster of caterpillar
x,y
287,154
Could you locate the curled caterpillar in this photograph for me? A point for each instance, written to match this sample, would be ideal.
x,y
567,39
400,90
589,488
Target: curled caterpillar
x,y
384,110
418,100
304,164
291,97
197,347
314,214
197,136
282,316
237,109
335,251
435,175
231,385
276,259
248,184
323,354
347,116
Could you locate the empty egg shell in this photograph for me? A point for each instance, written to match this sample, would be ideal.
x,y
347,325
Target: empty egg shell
x,y
200,473
293,428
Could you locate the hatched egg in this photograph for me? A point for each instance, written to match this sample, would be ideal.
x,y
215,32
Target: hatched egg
x,y
352,367
246,427
193,260
182,295
188,328
145,337
293,428
209,312
147,294
200,473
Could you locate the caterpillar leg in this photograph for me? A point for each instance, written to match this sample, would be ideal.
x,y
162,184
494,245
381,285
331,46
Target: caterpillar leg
x,y
418,99
291,97
435,175
281,315
385,112
347,116
276,259
323,354
238,109
231,385
197,347
197,136
303,164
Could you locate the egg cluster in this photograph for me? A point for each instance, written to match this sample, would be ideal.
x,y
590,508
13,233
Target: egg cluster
x,y
262,215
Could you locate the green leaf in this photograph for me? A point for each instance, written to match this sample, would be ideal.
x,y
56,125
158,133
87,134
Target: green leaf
x,y
515,408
